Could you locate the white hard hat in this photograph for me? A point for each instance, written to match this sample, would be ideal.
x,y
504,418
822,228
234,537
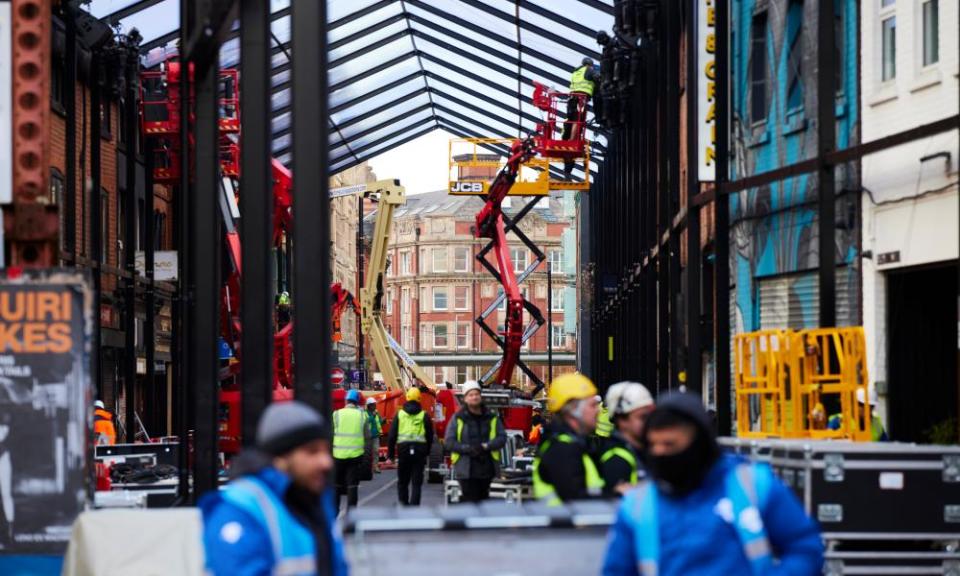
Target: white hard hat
x,y
470,385
99,404
625,397
872,395
371,401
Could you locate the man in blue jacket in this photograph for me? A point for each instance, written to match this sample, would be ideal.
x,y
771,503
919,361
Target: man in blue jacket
x,y
276,516
707,513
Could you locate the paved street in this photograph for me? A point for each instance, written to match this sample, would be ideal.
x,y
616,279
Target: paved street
x,y
382,491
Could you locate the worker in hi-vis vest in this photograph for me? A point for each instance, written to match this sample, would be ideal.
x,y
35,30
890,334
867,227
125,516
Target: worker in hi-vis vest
x,y
563,469
475,436
411,437
350,435
582,83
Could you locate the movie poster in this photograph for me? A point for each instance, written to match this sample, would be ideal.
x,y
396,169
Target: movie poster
x,y
44,394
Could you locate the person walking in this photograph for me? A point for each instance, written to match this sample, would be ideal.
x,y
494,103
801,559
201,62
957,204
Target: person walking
x,y
563,469
350,434
411,437
475,436
704,512
276,516
104,432
375,421
619,456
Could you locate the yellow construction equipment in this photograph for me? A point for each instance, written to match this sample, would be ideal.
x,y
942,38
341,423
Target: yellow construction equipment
x,y
784,379
473,164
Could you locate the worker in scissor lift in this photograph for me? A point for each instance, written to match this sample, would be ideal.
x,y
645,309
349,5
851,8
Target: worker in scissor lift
x,y
283,309
563,468
582,83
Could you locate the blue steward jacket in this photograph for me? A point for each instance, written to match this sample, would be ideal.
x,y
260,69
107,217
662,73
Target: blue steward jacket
x,y
237,543
695,539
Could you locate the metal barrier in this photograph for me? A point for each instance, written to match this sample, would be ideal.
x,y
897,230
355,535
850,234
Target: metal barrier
x,y
788,384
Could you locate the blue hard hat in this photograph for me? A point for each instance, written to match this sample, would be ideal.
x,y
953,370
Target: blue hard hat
x,y
353,396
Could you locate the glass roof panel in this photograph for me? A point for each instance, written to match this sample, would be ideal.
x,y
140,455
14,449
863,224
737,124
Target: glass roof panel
x,y
383,147
101,8
337,9
373,99
281,29
281,142
361,42
368,59
401,123
281,122
398,110
153,22
280,99
280,78
351,28
373,82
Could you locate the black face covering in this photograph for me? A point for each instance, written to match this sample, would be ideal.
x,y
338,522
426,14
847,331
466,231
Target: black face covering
x,y
681,473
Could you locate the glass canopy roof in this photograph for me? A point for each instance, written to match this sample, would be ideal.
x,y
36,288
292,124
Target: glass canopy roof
x,y
399,69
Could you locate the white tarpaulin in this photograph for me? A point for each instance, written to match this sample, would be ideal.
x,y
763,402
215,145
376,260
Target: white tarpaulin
x,y
142,542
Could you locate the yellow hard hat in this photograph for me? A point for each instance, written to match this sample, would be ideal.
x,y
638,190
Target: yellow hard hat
x,y
573,386
413,395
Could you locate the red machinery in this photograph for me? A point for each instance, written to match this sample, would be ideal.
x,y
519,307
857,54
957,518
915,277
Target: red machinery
x,y
490,223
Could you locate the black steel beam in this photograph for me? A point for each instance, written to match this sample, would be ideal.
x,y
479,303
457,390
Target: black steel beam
x,y
311,207
669,158
160,41
256,223
561,20
693,364
826,143
132,68
152,406
365,33
205,263
722,223
598,5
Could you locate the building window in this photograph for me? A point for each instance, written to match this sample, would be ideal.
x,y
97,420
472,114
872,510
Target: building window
x,y
556,296
405,263
487,290
389,301
56,79
519,257
56,198
889,48
104,226
405,301
159,229
462,375
461,259
439,298
758,68
105,110
931,32
405,338
460,297
463,335
556,261
439,335
795,58
557,338
439,259
438,226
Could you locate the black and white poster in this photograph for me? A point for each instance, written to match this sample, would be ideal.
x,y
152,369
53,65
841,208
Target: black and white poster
x,y
45,324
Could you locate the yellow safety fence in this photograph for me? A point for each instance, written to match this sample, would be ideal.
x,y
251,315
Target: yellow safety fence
x,y
790,383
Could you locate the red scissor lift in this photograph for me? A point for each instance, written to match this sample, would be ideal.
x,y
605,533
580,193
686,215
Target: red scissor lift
x,y
546,142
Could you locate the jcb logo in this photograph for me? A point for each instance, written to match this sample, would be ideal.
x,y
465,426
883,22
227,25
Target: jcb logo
x,y
466,188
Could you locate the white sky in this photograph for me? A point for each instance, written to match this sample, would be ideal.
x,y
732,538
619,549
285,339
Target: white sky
x,y
420,165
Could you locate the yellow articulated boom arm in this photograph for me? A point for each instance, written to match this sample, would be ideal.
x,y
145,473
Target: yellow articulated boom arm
x,y
392,359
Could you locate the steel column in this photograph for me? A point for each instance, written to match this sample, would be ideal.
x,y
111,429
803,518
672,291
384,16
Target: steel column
x,y
722,241
693,211
256,208
311,231
826,138
205,265
132,66
152,403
